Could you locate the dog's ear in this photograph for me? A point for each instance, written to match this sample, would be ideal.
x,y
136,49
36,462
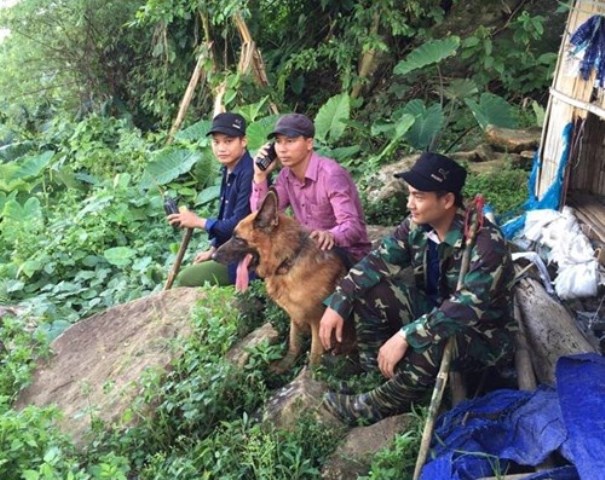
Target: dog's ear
x,y
267,217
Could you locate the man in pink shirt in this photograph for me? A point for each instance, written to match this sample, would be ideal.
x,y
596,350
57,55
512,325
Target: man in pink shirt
x,y
322,194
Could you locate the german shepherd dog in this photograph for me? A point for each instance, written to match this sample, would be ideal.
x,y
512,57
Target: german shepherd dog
x,y
298,275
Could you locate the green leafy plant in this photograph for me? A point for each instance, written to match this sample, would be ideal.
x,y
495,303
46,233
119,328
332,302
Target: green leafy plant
x,y
399,459
429,53
492,110
501,191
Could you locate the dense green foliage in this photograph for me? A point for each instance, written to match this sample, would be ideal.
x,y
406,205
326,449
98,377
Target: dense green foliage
x,y
87,96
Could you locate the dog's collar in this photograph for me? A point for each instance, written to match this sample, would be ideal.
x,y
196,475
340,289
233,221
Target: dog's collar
x,y
288,262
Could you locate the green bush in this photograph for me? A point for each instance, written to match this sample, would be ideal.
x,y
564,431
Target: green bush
x,y
505,191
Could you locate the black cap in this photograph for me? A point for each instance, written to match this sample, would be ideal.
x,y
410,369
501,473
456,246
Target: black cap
x,y
232,124
433,172
293,125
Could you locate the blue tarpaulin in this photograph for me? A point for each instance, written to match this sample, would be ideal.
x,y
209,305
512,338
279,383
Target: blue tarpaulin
x,y
552,197
486,436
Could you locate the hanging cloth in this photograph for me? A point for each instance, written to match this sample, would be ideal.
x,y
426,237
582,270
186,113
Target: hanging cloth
x,y
589,45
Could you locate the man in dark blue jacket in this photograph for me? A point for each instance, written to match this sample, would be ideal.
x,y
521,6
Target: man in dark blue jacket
x,y
229,147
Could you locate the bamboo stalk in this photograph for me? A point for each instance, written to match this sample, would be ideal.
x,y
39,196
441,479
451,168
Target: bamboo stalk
x,y
436,397
574,102
186,101
368,60
444,367
251,57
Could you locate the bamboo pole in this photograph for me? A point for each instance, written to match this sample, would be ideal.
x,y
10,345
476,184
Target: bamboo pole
x,y
476,221
368,60
185,102
251,57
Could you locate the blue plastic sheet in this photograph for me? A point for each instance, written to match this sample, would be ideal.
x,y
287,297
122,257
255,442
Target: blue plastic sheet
x,y
552,197
484,437
581,389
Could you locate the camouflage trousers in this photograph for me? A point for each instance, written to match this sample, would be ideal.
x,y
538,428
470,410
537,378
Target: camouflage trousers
x,y
381,313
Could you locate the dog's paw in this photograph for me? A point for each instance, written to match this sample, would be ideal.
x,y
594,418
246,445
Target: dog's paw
x,y
278,368
282,366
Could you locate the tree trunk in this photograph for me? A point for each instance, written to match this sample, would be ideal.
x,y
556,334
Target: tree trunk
x,y
551,330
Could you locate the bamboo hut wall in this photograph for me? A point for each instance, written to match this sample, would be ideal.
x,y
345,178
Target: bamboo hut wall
x,y
569,96
587,171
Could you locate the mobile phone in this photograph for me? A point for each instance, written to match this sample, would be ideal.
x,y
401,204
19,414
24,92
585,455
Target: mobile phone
x,y
170,206
264,161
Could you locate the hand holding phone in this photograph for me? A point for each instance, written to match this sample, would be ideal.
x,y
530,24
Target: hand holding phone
x,y
171,207
263,161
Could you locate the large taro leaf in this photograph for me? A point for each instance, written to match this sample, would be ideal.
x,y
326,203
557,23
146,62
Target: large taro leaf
x,y
460,88
342,153
167,164
31,166
12,151
18,174
428,53
427,123
195,132
492,110
208,194
7,177
30,212
206,168
253,110
257,132
332,118
119,256
401,127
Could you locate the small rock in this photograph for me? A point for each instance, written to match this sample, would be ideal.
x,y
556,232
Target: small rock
x,y
302,394
354,455
240,352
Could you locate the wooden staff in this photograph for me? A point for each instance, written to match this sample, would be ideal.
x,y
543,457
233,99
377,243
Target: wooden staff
x,y
444,368
179,258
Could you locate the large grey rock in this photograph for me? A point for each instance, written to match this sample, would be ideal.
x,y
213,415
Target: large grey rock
x,y
354,454
383,185
96,364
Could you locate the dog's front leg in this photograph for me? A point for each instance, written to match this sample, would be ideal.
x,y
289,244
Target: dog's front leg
x,y
294,348
317,348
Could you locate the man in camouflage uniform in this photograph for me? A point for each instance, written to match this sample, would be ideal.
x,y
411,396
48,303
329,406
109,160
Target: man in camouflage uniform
x,y
402,329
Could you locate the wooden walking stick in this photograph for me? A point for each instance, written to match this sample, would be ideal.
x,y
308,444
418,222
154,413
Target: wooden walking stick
x,y
474,221
176,266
